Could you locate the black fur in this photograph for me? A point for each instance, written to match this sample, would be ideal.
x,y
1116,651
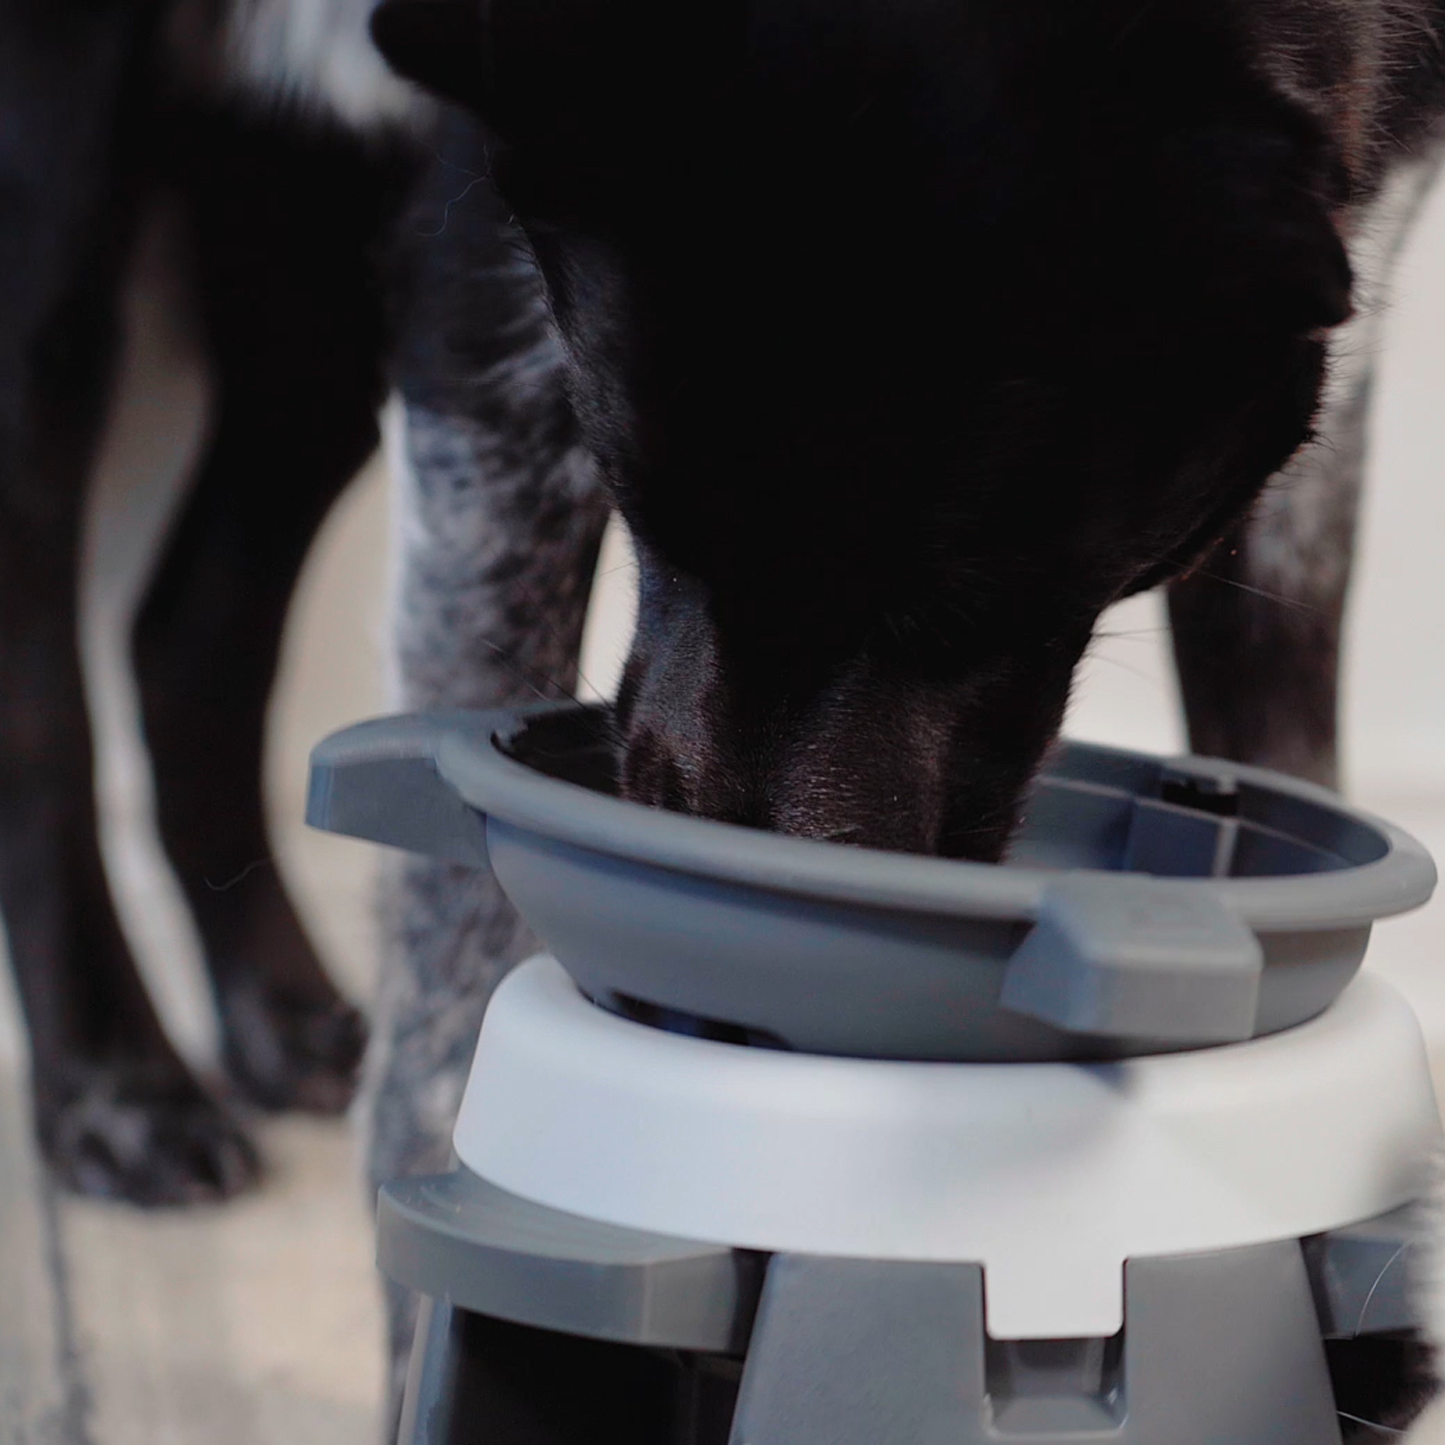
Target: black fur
x,y
283,217
1381,1383
504,516
908,337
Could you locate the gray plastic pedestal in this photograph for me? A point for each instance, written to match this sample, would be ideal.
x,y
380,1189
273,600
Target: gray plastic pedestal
x,y
547,1329
1215,1347
1151,907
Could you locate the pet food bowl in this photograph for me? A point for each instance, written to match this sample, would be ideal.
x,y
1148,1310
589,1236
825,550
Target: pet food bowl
x,y
1148,905
795,1143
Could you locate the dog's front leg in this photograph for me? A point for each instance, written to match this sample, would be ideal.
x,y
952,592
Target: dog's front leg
x,y
1257,623
498,525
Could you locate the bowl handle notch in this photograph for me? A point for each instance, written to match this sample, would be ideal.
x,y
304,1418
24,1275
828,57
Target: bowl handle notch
x,y
379,780
1137,958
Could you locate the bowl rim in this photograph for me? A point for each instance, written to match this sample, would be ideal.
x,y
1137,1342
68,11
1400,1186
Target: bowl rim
x,y
473,761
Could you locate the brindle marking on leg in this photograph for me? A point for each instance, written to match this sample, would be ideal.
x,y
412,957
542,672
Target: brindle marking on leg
x,y
498,520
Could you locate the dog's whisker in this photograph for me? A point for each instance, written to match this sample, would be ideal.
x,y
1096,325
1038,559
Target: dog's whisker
x,y
240,877
546,687
545,614
1268,596
1364,1308
1141,673
447,209
1369,1424
1130,634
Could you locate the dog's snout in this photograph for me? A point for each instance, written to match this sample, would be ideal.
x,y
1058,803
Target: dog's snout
x,y
659,775
831,778
847,747
853,763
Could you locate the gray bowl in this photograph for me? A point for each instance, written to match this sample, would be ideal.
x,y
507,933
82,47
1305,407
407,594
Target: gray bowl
x,y
1148,904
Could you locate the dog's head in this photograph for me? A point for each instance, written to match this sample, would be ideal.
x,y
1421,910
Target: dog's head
x,y
909,334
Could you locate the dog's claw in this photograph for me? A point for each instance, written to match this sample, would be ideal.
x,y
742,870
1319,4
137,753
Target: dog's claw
x,y
123,1138
285,1054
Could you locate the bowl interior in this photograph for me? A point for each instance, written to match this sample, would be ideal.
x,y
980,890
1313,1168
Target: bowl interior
x,y
1092,807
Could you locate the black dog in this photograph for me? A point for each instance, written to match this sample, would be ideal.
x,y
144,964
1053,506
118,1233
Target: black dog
x,y
907,336
910,336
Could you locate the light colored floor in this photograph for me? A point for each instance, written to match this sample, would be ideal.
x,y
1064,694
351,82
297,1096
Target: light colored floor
x,y
257,1323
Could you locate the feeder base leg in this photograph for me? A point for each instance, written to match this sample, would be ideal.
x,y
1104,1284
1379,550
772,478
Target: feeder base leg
x,y
1218,1348
480,1381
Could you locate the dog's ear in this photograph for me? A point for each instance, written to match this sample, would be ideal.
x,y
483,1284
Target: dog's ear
x,y
568,76
1241,181
1263,214
1305,270
443,45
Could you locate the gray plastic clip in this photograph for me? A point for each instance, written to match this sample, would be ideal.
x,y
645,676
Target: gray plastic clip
x,y
378,780
460,1237
862,1352
1136,958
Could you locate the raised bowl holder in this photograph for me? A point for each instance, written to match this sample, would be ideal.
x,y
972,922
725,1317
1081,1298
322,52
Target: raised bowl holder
x,y
1148,905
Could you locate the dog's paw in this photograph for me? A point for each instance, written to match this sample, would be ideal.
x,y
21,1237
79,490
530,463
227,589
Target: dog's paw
x,y
126,1134
283,1053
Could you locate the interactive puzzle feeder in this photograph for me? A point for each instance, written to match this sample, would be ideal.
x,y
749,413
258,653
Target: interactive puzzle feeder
x,y
790,1143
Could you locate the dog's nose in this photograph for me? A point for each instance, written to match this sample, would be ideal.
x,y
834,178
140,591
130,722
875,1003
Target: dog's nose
x,y
843,768
865,795
832,737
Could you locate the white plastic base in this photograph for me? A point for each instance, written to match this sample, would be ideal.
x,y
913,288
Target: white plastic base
x,y
1050,1175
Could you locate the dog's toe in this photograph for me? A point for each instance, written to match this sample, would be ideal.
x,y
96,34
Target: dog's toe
x,y
288,1054
124,1136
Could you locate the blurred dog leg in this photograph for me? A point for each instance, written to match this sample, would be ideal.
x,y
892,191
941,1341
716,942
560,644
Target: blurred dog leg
x,y
499,523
